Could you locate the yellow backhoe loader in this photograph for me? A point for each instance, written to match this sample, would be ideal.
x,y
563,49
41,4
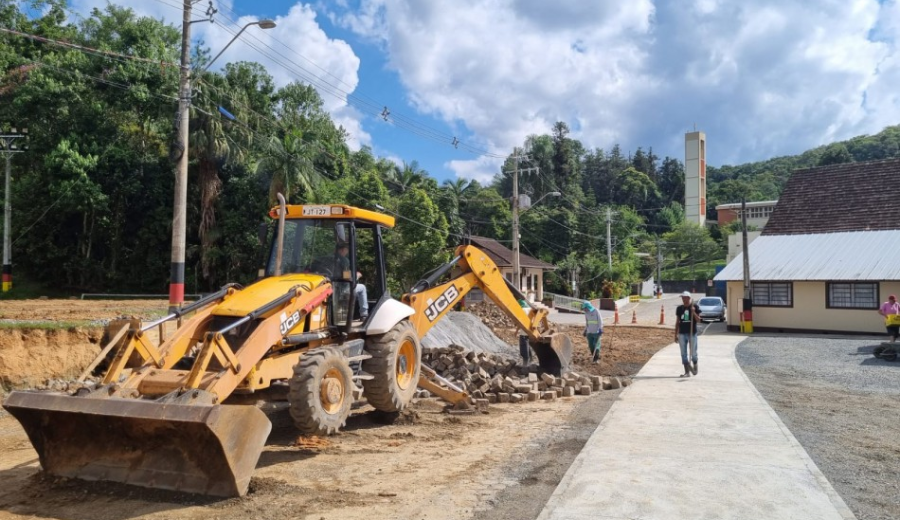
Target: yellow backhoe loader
x,y
160,418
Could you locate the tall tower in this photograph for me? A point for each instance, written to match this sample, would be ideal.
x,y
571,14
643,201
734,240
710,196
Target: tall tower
x,y
695,177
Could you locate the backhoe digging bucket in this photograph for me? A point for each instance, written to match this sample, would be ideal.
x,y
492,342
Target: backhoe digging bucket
x,y
554,353
204,449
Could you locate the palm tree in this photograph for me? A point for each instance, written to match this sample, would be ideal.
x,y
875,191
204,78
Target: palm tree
x,y
458,187
400,179
289,161
209,144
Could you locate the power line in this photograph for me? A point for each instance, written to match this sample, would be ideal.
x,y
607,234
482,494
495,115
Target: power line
x,y
363,104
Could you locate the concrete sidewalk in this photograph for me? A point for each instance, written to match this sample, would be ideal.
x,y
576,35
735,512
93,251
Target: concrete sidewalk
x,y
705,447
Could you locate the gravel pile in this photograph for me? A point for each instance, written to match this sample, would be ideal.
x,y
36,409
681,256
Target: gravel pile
x,y
463,328
843,405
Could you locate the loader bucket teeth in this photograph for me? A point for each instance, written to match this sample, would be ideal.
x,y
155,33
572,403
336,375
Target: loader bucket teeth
x,y
554,353
193,448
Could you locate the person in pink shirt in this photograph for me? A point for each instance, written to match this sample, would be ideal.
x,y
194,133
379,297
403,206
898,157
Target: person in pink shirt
x,y
888,308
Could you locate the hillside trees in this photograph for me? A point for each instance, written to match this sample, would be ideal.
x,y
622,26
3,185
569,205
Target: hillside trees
x,y
93,197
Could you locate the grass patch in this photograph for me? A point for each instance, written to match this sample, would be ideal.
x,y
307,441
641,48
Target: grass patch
x,y
46,325
145,314
26,289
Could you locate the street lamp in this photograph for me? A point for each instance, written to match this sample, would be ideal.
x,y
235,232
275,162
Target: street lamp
x,y
535,203
179,217
263,24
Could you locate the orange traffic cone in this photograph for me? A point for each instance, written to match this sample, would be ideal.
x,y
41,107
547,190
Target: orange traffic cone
x,y
616,320
662,315
633,318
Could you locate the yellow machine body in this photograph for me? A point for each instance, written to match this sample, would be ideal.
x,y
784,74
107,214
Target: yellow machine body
x,y
158,418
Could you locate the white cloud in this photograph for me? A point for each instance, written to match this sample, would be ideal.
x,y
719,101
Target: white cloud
x,y
763,79
349,118
505,70
481,169
326,63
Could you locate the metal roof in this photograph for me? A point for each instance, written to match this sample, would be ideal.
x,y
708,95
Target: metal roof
x,y
852,255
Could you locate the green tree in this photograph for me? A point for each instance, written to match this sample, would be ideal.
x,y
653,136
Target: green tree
x,y
287,163
690,244
419,241
835,153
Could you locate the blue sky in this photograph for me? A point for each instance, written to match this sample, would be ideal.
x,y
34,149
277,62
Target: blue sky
x,y
762,79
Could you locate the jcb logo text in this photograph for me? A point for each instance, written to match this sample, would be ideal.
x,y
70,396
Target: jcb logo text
x,y
288,322
442,302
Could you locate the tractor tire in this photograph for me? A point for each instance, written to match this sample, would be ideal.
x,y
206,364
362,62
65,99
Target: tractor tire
x,y
395,361
321,392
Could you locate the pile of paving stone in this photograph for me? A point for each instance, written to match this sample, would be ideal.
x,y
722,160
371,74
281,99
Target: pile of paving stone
x,y
494,379
67,386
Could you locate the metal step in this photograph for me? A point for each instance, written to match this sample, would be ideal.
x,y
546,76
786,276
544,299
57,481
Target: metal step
x,y
361,357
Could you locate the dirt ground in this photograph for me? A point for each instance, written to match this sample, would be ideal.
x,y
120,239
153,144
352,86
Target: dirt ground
x,y
425,464
80,310
57,339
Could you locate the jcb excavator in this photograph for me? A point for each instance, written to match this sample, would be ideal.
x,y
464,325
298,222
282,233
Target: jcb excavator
x,y
158,419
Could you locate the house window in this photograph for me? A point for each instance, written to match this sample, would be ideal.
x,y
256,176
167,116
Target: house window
x,y
852,295
773,294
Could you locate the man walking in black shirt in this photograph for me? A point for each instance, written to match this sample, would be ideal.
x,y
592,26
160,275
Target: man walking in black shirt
x,y
687,317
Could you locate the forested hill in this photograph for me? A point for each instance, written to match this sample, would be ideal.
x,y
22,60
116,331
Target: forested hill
x,y
92,197
764,180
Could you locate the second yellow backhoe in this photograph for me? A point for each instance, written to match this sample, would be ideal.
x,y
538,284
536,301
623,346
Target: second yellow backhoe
x,y
160,417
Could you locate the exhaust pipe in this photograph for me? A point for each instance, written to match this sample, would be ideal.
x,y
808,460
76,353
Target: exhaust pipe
x,y
279,248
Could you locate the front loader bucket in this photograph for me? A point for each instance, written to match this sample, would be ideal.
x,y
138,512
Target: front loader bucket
x,y
554,353
204,449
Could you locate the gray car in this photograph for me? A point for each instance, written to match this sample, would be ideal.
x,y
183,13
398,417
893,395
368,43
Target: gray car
x,y
712,308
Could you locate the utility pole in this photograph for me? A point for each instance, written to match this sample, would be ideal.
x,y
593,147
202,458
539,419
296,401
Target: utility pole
x,y
659,261
179,217
747,314
8,142
744,246
515,222
609,215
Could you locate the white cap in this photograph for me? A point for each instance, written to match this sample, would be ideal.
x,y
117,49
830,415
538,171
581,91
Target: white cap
x,y
685,293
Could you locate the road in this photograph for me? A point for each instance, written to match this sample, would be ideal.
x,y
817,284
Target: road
x,y
645,312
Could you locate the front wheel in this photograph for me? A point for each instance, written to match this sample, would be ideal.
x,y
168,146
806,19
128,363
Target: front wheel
x,y
321,392
394,365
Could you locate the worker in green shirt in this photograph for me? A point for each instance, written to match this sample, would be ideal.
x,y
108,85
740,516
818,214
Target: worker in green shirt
x,y
593,329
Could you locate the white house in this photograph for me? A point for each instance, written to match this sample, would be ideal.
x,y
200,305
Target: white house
x,y
531,270
829,254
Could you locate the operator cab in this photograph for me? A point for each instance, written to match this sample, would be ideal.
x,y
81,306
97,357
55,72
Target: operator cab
x,y
341,243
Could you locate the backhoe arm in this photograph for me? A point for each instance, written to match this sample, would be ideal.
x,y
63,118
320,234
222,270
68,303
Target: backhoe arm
x,y
475,269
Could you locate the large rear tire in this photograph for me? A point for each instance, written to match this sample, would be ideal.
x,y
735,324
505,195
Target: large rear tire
x,y
395,361
321,392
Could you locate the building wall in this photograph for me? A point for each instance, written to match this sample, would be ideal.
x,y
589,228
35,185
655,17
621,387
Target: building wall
x,y
726,216
809,311
532,281
736,244
695,177
758,213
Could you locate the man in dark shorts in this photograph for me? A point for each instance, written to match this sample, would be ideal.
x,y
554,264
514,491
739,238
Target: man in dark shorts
x,y
687,317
